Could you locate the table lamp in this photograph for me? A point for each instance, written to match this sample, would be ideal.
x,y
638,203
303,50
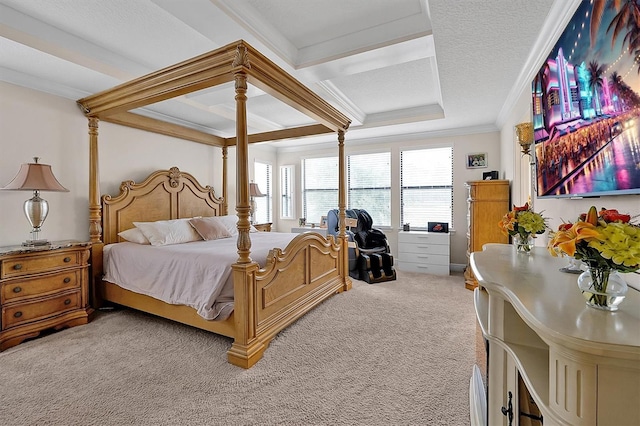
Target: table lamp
x,y
35,177
254,191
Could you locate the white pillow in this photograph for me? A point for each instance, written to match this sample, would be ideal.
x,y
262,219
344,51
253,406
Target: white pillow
x,y
209,228
230,222
134,235
165,232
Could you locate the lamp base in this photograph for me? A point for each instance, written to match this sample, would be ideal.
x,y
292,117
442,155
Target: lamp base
x,y
35,243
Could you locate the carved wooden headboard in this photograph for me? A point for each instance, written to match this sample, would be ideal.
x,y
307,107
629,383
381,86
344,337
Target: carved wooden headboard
x,y
165,194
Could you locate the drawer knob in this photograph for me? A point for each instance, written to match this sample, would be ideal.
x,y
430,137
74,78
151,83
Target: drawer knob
x,y
17,314
17,289
67,280
17,266
67,259
67,301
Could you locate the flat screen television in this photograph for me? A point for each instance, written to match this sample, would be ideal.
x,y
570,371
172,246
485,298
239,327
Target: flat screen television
x,y
586,107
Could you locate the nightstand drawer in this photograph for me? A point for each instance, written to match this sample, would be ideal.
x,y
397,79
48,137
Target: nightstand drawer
x,y
20,313
42,285
33,264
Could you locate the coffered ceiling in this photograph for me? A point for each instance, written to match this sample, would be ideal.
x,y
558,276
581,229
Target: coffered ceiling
x,y
395,67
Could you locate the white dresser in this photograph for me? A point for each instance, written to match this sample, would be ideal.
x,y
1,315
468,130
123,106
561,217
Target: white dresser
x,y
580,365
426,252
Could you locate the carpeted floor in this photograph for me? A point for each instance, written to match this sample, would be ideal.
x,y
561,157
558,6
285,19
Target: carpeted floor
x,y
395,353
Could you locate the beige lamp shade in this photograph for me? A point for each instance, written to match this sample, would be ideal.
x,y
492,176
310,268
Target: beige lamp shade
x,y
254,191
35,177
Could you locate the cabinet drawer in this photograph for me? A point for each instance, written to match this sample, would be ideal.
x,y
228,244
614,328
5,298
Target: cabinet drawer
x,y
33,264
423,237
422,258
20,313
42,285
424,268
423,248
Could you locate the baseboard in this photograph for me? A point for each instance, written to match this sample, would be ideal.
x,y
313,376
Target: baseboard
x,y
457,267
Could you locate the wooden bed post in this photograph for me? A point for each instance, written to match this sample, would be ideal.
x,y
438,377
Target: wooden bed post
x,y
95,216
95,212
225,203
242,169
246,349
342,215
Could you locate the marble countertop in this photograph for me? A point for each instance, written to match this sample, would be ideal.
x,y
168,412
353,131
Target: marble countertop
x,y
19,249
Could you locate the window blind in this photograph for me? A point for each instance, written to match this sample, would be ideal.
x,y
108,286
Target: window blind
x,y
426,181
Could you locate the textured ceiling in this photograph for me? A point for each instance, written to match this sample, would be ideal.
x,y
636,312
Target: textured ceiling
x,y
393,66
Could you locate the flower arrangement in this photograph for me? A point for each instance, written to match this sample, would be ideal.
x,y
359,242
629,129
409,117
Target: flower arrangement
x,y
604,239
608,243
522,221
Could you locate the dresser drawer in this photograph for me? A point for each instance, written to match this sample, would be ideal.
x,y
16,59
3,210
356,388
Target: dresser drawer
x,y
15,290
20,313
424,268
424,258
422,248
416,237
33,264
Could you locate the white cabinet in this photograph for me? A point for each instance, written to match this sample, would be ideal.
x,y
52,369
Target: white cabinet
x,y
426,252
580,365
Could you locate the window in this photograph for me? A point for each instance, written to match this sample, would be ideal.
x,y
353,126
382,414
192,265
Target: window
x,y
286,192
368,186
369,183
426,186
262,176
320,187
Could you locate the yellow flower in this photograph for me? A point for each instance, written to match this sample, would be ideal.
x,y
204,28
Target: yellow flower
x,y
621,244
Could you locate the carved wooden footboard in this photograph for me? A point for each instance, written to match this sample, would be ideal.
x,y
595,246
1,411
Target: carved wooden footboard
x,y
293,281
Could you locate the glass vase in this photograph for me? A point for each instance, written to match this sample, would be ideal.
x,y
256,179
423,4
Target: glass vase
x,y
602,288
523,244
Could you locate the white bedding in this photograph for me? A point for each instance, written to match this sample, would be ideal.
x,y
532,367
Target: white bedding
x,y
196,274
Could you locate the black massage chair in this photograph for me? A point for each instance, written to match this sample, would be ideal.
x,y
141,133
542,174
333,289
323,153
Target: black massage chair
x,y
370,259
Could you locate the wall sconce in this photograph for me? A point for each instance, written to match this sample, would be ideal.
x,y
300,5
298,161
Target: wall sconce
x,y
254,191
524,131
35,177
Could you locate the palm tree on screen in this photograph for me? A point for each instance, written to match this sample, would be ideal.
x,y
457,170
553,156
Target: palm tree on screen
x,y
596,82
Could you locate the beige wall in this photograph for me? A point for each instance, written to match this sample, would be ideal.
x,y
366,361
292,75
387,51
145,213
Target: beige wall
x,y
34,123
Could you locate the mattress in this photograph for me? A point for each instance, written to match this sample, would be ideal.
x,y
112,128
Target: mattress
x,y
196,274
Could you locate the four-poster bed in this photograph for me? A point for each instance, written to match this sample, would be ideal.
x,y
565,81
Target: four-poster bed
x,y
294,279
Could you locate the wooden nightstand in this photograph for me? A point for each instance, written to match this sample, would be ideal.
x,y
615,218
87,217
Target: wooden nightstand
x,y
42,288
263,227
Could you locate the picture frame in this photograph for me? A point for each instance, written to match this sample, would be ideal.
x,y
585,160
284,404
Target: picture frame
x,y
302,221
477,160
323,221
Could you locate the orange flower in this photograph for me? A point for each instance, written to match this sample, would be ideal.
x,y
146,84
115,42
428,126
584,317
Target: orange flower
x,y
566,240
508,222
